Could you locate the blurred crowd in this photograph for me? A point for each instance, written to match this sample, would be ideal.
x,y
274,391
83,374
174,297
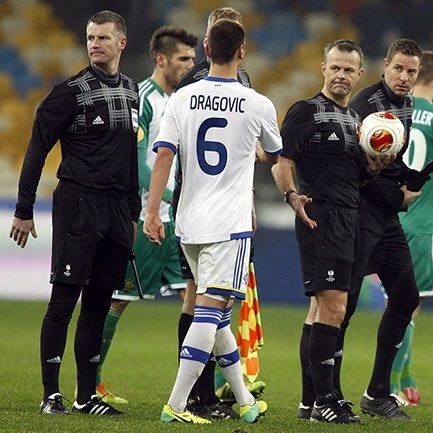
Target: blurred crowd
x,y
40,43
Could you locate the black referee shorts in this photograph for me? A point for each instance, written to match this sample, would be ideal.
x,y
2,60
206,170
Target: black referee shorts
x,y
92,237
327,252
384,248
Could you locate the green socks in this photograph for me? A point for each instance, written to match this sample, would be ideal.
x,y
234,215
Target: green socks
x,y
401,374
113,317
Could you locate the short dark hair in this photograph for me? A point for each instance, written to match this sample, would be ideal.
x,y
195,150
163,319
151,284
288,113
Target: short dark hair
x,y
226,13
103,17
345,45
425,75
165,39
408,47
224,38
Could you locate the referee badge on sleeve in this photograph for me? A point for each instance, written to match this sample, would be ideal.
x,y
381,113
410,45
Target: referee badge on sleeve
x,y
134,117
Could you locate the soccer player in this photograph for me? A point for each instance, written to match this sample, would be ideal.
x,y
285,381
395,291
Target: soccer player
x,y
203,401
320,137
417,223
172,50
214,124
96,204
383,245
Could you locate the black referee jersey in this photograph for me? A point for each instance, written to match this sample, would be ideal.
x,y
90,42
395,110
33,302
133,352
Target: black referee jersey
x,y
384,189
321,137
96,120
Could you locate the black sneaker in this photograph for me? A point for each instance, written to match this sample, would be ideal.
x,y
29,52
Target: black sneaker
x,y
384,407
304,412
222,411
95,406
336,411
196,407
348,406
53,405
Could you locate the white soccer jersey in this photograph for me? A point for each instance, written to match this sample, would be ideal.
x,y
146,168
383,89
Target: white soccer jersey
x,y
214,124
152,104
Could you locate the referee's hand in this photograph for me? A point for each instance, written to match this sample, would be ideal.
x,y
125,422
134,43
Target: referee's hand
x,y
380,162
153,228
20,231
297,203
409,196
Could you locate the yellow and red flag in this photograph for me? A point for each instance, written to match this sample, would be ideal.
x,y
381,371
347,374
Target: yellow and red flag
x,y
250,334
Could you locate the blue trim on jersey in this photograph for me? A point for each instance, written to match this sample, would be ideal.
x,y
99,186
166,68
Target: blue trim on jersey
x,y
170,146
278,152
239,264
228,359
225,319
207,315
193,354
221,79
241,235
226,292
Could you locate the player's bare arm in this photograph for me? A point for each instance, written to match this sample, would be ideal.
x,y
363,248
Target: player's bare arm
x,y
134,230
20,231
262,156
254,216
153,227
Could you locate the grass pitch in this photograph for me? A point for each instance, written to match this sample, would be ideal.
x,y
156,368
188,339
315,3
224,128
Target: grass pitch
x,y
142,365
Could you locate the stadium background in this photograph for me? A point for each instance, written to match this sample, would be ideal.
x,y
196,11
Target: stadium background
x,y
43,42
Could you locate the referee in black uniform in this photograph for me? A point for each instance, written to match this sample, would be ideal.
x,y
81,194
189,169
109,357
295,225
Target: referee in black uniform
x,y
320,137
384,249
203,401
96,204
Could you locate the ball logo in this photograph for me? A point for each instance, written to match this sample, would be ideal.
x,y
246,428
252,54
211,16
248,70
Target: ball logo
x,y
381,140
386,115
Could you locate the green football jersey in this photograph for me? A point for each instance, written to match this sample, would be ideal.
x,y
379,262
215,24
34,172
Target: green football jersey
x,y
418,219
152,104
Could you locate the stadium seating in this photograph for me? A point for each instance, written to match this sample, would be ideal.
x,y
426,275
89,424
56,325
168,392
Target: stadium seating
x,y
284,50
30,61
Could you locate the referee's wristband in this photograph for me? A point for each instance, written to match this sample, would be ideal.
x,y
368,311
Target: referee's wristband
x,y
288,193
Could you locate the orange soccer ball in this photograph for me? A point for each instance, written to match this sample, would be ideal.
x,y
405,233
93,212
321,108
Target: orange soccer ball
x,y
381,133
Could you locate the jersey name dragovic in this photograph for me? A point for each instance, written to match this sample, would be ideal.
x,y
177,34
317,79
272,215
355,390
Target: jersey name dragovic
x,y
214,124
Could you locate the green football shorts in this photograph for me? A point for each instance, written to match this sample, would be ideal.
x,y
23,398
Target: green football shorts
x,y
421,249
157,265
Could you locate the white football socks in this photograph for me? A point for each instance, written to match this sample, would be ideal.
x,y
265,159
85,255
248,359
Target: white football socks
x,y
194,354
226,351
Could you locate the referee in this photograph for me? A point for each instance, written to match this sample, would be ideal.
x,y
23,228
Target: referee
x,y
320,137
384,248
96,204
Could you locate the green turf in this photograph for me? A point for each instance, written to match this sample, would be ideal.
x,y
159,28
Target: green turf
x,y
145,350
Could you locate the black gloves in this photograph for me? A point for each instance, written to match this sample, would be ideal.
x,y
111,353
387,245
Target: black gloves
x,y
415,179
